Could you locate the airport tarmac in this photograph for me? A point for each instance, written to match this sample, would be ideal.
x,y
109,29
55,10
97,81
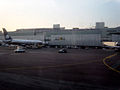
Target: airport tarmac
x,y
46,69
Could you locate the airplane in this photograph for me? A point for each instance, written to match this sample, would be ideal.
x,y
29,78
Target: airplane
x,y
116,46
20,42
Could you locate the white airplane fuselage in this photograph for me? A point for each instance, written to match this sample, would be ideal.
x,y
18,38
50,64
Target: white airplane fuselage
x,y
26,41
23,42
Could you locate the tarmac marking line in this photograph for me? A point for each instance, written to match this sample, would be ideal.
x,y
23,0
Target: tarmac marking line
x,y
47,67
64,65
108,65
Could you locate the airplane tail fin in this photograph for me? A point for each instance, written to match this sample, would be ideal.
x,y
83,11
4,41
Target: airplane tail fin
x,y
6,36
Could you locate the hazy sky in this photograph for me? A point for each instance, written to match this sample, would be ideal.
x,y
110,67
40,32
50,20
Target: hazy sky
x,y
16,14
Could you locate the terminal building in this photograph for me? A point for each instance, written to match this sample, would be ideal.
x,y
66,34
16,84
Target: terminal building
x,y
59,36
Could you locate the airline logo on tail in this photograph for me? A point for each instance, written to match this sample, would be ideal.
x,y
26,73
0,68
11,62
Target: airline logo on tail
x,y
6,36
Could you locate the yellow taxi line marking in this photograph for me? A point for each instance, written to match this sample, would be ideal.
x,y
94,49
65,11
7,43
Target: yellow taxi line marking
x,y
108,65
